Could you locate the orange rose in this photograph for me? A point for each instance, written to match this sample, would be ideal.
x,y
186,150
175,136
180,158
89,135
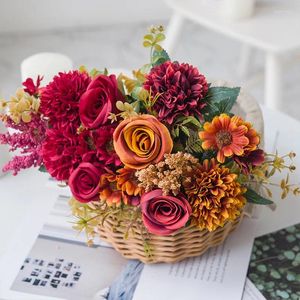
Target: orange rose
x,y
142,140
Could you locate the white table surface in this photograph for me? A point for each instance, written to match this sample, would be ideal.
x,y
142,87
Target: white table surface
x,y
25,203
274,27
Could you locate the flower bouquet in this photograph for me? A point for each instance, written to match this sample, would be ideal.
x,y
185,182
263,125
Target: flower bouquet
x,y
158,165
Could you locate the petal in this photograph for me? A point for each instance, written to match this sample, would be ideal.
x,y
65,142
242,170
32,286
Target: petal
x,y
220,156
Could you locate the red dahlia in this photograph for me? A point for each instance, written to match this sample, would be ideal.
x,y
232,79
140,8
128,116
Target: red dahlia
x,y
60,98
182,90
62,151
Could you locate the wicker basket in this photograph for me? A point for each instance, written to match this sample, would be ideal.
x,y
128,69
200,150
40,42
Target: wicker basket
x,y
189,241
186,242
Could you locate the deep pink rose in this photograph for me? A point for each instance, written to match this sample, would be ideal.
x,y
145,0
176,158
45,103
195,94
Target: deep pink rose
x,y
162,215
84,182
99,101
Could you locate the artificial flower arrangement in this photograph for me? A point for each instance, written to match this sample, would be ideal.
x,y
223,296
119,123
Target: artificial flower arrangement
x,y
153,154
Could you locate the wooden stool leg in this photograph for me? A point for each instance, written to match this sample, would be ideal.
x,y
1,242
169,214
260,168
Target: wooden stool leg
x,y
173,32
273,81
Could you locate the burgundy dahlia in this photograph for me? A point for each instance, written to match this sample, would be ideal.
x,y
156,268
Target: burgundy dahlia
x,y
182,90
60,98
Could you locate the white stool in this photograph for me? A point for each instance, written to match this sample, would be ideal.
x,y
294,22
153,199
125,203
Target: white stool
x,y
46,64
274,29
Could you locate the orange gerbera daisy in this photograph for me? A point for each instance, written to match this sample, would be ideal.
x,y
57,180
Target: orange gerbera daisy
x,y
215,196
229,136
115,188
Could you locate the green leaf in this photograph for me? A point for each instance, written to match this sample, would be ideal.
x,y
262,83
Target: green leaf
x,y
262,268
289,254
225,106
176,130
147,44
253,197
275,274
94,72
185,130
159,37
193,144
191,120
43,169
159,57
121,84
158,47
218,94
149,37
220,100
145,69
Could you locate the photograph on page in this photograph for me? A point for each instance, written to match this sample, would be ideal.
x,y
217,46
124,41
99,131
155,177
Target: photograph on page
x,y
274,268
67,270
61,264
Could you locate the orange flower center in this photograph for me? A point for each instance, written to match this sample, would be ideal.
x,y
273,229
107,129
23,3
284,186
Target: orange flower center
x,y
223,138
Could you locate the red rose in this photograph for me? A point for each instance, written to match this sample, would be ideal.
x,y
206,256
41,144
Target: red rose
x,y
84,182
162,215
99,101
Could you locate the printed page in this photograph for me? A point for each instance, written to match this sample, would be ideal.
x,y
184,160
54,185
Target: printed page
x,y
68,270
60,264
251,292
220,271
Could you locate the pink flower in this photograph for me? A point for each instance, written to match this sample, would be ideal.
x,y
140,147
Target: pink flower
x,y
27,138
60,98
181,88
84,182
32,88
163,215
99,101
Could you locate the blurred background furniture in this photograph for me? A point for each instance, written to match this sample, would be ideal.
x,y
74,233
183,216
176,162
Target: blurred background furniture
x,y
274,28
46,64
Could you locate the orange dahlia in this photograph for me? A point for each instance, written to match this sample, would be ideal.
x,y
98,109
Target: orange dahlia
x,y
229,136
215,196
127,183
120,187
108,190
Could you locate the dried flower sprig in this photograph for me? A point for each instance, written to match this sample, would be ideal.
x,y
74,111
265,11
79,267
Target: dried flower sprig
x,y
275,163
89,216
169,173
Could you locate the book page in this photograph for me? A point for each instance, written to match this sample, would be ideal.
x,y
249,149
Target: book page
x,y
220,271
251,292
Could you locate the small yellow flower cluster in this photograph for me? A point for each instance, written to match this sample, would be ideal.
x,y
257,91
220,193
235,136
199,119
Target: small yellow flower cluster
x,y
21,106
275,163
127,111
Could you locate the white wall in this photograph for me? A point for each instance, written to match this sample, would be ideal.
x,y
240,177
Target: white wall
x,y
37,15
